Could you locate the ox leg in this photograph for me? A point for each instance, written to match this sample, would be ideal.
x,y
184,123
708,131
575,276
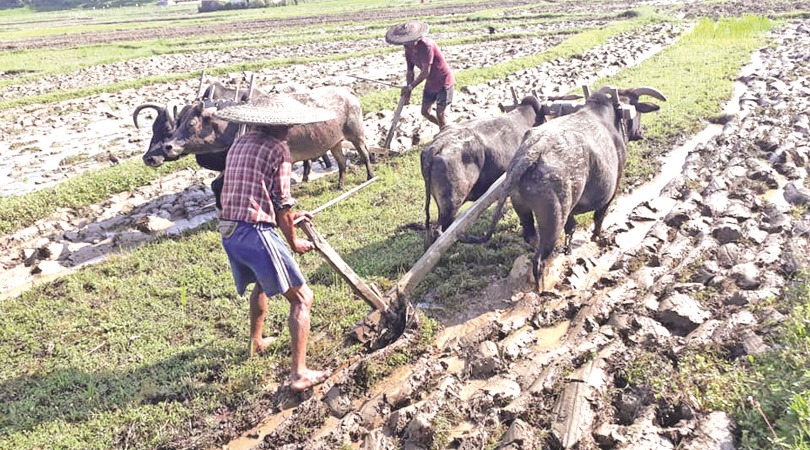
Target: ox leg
x,y
526,216
325,161
216,187
598,218
340,158
365,157
446,217
570,226
307,169
538,270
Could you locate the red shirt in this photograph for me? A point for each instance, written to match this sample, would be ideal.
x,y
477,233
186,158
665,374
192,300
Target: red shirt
x,y
257,179
427,54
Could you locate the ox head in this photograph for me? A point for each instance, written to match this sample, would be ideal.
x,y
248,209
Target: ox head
x,y
629,107
162,129
199,131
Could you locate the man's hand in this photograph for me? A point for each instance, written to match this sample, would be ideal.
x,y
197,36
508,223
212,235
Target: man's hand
x,y
302,246
299,214
407,89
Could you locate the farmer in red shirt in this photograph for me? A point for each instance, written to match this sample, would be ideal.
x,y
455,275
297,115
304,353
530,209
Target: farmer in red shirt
x,y
256,200
422,52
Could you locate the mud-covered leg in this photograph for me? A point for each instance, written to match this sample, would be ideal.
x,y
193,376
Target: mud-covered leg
x,y
526,216
538,270
598,218
325,161
570,226
365,157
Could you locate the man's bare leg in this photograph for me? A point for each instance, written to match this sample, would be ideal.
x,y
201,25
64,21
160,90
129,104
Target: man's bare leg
x,y
427,114
258,309
440,120
302,378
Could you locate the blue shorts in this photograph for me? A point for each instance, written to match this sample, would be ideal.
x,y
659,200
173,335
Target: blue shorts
x,y
258,255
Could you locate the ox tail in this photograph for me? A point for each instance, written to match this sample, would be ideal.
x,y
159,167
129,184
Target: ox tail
x,y
427,168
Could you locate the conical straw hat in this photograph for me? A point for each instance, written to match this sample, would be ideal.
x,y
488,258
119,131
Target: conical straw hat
x,y
275,110
406,32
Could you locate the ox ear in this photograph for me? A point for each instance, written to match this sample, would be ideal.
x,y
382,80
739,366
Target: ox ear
x,y
646,107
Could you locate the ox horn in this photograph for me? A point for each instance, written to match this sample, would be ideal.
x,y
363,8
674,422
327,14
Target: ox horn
x,y
651,91
140,108
201,87
171,109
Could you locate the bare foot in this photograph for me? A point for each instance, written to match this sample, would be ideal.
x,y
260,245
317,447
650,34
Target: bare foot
x,y
307,379
257,347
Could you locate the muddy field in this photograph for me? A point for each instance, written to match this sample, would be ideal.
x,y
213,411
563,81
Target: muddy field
x,y
698,249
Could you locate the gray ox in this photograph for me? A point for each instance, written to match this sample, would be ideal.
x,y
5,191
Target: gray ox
x,y
572,165
464,160
200,132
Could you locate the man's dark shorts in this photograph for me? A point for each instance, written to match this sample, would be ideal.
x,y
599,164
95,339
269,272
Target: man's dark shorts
x,y
441,98
258,254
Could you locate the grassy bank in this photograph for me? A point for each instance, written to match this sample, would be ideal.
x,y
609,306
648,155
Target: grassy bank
x,y
697,75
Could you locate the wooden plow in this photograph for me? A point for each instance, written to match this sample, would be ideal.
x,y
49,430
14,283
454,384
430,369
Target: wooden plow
x,y
391,311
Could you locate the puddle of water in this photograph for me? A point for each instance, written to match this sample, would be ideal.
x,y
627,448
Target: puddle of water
x,y
448,335
550,337
254,436
777,196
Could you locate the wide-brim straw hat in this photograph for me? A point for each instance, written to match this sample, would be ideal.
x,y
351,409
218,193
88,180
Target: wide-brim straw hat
x,y
404,33
275,110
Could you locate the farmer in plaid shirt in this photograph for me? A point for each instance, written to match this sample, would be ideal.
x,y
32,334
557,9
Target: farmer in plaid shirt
x,y
256,200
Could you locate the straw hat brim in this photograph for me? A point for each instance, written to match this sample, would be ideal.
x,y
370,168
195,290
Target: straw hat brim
x,y
404,33
276,110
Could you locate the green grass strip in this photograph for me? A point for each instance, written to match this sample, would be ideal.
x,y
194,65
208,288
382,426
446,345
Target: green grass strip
x,y
696,74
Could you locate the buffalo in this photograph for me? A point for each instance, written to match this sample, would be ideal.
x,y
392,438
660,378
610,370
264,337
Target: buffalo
x,y
572,165
199,131
165,122
463,160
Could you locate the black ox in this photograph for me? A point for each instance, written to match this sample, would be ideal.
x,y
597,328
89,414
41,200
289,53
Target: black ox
x,y
463,160
572,165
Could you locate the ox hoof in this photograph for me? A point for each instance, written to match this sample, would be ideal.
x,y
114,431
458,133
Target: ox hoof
x,y
603,241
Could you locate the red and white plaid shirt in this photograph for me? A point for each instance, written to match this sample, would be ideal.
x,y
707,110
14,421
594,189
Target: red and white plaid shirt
x,y
257,179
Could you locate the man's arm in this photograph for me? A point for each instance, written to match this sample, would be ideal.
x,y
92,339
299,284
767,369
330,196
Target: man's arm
x,y
286,221
424,72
